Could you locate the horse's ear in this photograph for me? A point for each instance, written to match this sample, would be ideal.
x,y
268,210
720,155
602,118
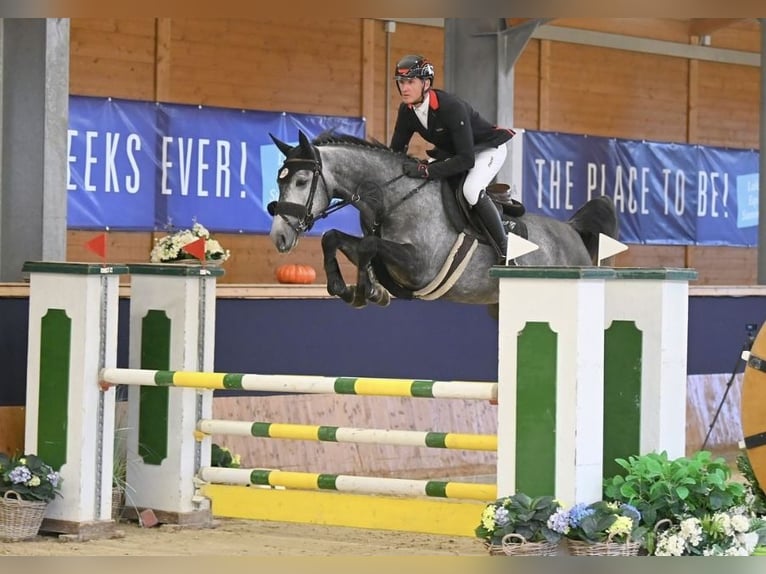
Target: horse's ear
x,y
283,147
305,144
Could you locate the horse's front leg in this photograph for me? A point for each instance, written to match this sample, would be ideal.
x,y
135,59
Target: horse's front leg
x,y
332,241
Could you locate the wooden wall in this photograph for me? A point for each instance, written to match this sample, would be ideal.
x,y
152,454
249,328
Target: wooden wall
x,y
338,67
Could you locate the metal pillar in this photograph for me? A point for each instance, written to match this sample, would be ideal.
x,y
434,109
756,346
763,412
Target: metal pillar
x,y
34,110
479,56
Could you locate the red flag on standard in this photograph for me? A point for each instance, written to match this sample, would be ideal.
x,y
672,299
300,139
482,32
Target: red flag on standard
x,y
97,245
196,248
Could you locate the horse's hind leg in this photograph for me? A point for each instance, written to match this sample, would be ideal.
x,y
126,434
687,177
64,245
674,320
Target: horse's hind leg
x,y
332,241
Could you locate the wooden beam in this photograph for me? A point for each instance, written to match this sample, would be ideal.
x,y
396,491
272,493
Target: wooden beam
x,y
368,74
512,22
162,61
706,26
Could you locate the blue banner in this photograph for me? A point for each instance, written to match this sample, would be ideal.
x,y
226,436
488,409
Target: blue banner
x,y
145,166
665,193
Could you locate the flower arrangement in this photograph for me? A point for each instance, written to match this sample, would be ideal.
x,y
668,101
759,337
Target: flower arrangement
x,y
518,514
170,248
599,522
731,532
29,477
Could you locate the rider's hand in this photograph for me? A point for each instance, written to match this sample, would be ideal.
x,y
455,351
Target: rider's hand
x,y
415,168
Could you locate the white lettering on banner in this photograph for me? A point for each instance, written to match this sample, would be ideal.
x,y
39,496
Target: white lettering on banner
x,y
197,153
702,193
555,186
242,168
110,170
184,163
222,173
89,160
70,159
539,163
165,165
593,179
133,184
201,166
679,198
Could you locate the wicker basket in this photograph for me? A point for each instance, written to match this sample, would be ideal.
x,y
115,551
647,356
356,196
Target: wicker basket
x,y
581,548
508,547
20,519
517,545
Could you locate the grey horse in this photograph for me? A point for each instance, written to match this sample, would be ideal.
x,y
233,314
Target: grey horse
x,y
410,246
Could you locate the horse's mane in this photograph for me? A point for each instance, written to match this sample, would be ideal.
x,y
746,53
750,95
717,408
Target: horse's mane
x,y
332,138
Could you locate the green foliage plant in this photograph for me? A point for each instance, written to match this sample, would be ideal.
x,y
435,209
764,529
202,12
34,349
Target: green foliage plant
x,y
661,488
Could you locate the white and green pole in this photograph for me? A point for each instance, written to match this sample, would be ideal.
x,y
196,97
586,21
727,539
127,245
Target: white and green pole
x,y
73,311
172,326
550,381
646,322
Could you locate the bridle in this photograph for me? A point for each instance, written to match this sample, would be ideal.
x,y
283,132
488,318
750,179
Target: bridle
x,y
303,212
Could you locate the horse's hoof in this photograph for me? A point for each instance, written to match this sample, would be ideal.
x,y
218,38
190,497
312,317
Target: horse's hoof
x,y
359,300
380,297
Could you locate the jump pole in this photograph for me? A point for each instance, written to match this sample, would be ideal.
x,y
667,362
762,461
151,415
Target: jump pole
x,y
69,419
172,326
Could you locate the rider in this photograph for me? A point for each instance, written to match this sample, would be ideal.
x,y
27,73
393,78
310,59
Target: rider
x,y
463,140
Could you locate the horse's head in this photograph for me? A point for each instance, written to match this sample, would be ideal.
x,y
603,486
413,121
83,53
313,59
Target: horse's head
x,y
302,193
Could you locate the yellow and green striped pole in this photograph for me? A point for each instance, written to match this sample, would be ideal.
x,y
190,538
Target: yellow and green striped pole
x,y
416,388
346,483
430,439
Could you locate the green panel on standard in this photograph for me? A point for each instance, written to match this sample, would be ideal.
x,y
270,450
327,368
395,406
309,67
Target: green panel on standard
x,y
536,410
52,412
154,401
622,394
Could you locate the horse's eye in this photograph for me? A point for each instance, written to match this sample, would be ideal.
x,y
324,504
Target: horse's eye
x,y
301,181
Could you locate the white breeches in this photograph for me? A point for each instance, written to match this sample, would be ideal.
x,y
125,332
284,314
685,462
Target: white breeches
x,y
488,163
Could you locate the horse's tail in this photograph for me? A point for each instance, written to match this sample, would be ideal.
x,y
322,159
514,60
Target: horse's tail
x,y
597,216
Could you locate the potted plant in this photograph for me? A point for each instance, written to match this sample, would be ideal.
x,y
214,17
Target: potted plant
x,y
600,529
732,532
27,485
665,489
518,525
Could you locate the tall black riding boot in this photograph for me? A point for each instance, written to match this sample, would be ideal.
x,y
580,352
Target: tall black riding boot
x,y
490,216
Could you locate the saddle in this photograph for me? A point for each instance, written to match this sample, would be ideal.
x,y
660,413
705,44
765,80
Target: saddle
x,y
463,218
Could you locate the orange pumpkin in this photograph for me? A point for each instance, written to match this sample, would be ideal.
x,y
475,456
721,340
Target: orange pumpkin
x,y
296,273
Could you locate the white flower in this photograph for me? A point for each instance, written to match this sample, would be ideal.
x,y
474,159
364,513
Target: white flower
x,y
34,481
691,531
748,541
740,523
670,545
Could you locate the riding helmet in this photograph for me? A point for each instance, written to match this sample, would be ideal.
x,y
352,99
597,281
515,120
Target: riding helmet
x,y
414,66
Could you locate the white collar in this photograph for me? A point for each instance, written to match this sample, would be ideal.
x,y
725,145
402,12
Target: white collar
x,y
421,110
